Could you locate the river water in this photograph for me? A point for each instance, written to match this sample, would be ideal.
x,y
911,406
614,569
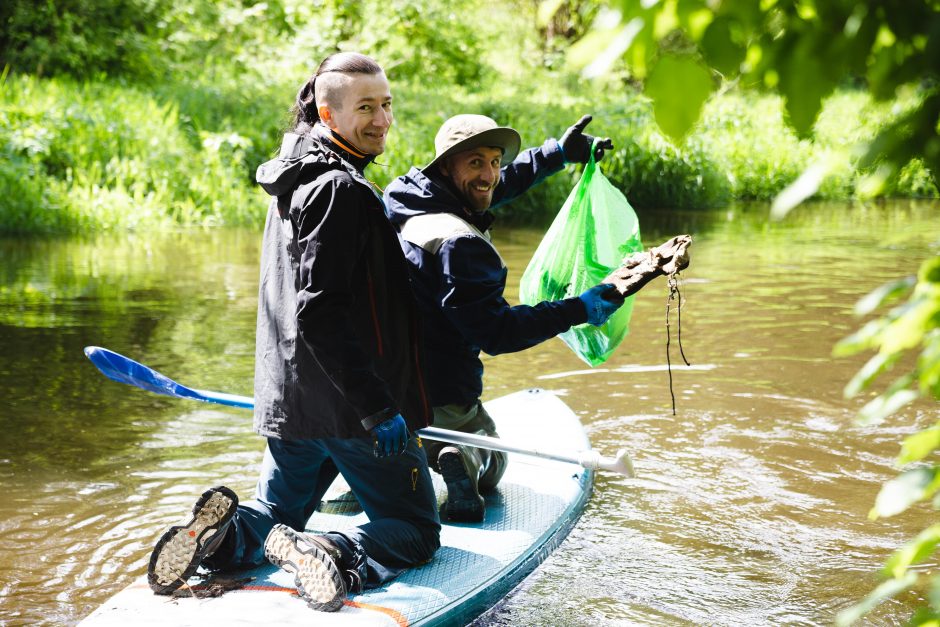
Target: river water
x,y
751,502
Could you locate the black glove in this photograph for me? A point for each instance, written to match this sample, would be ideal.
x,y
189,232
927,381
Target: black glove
x,y
576,145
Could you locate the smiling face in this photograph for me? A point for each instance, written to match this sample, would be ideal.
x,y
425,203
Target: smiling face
x,y
361,112
475,173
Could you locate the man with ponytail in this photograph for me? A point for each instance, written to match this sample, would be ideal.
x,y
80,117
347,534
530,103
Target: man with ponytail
x,y
338,380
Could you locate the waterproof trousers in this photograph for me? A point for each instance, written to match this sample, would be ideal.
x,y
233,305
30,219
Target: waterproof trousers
x,y
395,492
484,467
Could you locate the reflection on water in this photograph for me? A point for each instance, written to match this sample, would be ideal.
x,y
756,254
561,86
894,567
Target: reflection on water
x,y
751,503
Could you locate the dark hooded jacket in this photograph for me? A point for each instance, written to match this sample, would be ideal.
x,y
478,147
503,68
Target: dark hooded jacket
x,y
459,277
337,348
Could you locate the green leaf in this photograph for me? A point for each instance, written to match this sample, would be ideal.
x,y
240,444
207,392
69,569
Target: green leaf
x,y
933,592
804,82
924,617
929,365
885,591
721,47
874,184
908,329
869,372
547,10
802,188
905,490
863,339
879,408
914,552
679,87
918,446
585,49
616,47
882,294
929,271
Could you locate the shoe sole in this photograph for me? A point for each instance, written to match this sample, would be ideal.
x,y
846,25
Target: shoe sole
x,y
316,576
463,502
182,548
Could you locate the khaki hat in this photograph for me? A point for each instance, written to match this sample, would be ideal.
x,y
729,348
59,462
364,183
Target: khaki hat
x,y
466,131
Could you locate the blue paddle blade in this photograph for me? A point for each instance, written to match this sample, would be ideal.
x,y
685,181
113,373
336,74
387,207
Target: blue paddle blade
x,y
124,370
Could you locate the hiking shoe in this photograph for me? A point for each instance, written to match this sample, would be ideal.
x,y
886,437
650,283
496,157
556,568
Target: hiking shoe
x,y
314,562
464,503
181,550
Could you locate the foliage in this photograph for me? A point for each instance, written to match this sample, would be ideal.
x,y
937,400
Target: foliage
x,y
176,140
685,50
79,37
804,50
99,156
86,156
912,326
254,42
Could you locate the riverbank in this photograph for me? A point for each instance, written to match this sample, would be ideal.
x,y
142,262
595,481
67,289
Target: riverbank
x,y
88,156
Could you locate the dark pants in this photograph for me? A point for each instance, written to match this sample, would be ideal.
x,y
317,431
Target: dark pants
x,y
396,494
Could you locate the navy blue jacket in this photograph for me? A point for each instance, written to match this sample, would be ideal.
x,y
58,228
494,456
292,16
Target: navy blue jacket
x,y
337,348
459,278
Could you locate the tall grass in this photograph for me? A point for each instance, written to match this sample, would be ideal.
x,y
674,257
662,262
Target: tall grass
x,y
80,157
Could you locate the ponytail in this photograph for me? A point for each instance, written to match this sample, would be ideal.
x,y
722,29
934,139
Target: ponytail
x,y
305,106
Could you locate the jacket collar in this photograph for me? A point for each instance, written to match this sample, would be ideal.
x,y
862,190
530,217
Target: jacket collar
x,y
341,146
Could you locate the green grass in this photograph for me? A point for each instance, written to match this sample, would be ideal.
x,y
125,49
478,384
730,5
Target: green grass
x,y
87,156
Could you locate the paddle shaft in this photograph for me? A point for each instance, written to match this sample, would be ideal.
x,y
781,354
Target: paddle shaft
x,y
125,370
588,459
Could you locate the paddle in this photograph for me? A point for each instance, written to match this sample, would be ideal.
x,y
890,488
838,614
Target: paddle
x,y
124,370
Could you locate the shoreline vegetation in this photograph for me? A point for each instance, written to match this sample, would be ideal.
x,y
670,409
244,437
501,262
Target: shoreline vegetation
x,y
134,115
83,156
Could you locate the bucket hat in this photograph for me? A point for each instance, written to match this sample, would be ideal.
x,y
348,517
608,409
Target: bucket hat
x,y
467,130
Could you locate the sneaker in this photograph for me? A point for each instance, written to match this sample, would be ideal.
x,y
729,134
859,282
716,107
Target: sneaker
x,y
181,550
314,561
464,503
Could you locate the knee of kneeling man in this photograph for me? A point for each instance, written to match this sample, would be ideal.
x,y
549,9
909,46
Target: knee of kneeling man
x,y
432,542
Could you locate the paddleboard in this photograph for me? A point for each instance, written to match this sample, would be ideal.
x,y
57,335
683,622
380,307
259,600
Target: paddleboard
x,y
534,507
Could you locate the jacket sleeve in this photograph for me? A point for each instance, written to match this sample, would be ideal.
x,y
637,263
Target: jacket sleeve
x,y
472,299
530,168
331,225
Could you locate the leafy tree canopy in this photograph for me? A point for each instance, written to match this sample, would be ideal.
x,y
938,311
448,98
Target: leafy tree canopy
x,y
685,50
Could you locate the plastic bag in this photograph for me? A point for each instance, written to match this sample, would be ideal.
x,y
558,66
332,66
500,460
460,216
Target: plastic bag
x,y
595,229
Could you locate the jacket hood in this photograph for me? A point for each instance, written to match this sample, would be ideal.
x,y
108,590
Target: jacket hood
x,y
416,194
305,154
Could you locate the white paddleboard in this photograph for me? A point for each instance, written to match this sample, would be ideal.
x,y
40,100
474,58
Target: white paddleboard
x,y
530,513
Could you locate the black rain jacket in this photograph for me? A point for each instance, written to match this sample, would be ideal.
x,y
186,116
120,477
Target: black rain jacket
x,y
337,348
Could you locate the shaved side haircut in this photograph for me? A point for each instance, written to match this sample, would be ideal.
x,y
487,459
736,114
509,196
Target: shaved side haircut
x,y
327,85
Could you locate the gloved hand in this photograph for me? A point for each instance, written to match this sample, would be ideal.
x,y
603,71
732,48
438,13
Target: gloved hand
x,y
390,437
599,309
576,145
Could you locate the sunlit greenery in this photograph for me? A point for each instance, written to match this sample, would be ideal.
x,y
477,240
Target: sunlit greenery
x,y
909,328
145,114
157,113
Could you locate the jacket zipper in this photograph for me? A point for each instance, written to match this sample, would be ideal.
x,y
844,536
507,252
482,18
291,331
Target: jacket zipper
x,y
375,314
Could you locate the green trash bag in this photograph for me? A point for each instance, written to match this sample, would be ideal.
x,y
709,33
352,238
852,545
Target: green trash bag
x,y
589,238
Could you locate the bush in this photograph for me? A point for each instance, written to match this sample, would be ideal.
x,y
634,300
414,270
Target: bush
x,y
93,155
115,157
81,38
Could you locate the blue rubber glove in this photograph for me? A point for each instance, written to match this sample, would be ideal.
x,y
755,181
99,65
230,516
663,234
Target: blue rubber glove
x,y
576,145
390,437
599,309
